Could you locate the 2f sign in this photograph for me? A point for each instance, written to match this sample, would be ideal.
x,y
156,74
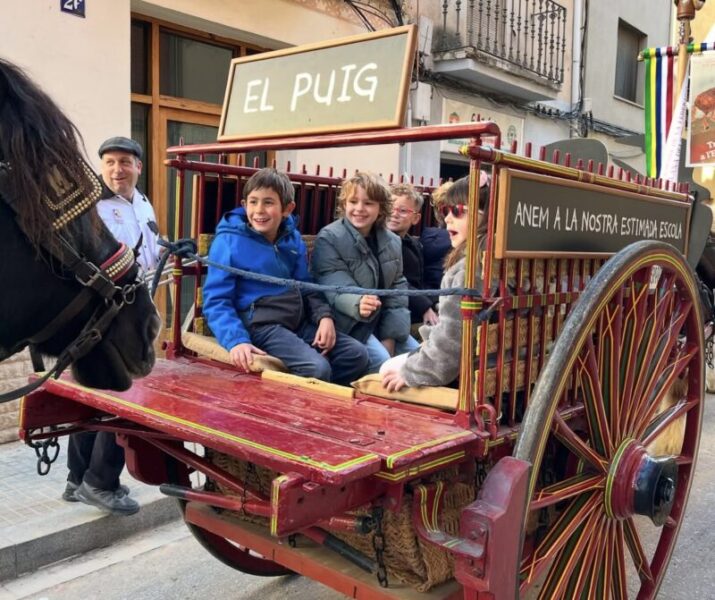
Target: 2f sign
x,y
73,7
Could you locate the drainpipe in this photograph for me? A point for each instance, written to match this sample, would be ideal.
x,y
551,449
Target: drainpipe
x,y
576,56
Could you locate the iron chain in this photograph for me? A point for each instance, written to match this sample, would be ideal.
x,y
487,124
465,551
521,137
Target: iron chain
x,y
710,353
378,544
45,458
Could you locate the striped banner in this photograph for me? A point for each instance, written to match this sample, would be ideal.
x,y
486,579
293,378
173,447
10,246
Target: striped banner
x,y
659,84
659,90
673,50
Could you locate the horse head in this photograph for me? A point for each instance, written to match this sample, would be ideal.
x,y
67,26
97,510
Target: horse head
x,y
70,289
64,290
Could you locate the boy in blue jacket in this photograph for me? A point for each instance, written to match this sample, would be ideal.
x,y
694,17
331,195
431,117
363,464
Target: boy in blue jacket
x,y
250,317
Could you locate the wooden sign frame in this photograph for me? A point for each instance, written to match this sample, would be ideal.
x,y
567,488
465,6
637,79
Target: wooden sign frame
x,y
605,213
396,117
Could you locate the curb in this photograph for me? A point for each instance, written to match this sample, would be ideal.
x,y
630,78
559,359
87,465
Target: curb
x,y
81,529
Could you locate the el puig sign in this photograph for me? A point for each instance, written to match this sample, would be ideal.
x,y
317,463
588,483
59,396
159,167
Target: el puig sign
x,y
344,85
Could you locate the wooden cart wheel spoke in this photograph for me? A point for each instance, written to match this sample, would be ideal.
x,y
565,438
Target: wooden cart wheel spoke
x,y
661,365
652,356
612,468
590,384
563,490
575,444
620,591
608,358
580,582
669,385
635,323
570,522
665,420
564,568
635,547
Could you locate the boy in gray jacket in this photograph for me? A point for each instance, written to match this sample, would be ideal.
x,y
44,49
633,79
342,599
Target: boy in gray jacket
x,y
358,250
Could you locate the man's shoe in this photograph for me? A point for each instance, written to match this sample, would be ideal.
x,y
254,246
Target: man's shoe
x,y
106,500
68,494
71,488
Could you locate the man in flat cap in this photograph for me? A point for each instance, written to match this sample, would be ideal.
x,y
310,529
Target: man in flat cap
x,y
94,459
124,209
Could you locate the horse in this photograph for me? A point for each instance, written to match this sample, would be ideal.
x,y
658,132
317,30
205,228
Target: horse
x,y
69,288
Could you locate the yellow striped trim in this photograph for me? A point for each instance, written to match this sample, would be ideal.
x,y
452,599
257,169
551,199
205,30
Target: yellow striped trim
x,y
412,471
393,457
627,443
275,492
227,436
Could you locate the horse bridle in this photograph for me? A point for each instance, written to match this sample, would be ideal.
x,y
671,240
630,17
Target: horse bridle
x,y
96,281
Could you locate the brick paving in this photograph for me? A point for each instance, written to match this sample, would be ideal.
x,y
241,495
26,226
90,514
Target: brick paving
x,y
24,494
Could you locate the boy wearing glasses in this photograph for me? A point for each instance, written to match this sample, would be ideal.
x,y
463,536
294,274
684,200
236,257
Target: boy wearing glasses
x,y
406,207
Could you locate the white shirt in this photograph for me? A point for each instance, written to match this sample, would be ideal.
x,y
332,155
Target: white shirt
x,y
128,221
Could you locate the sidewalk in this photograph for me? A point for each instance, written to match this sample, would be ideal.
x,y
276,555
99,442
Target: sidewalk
x,y
38,528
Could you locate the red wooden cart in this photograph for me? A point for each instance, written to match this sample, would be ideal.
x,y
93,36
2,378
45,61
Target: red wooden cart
x,y
560,468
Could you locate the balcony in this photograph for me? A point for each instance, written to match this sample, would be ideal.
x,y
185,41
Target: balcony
x,y
512,47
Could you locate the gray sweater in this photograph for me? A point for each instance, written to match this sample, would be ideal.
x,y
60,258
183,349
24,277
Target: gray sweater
x,y
436,362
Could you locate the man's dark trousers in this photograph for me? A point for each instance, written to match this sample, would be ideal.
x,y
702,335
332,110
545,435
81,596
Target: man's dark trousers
x,y
95,457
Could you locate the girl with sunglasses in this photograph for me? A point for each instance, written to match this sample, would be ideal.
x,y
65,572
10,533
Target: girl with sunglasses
x,y
436,361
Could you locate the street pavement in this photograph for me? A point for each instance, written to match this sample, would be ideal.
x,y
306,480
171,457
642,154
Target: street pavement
x,y
164,561
37,527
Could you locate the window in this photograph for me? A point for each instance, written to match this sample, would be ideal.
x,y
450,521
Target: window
x,y
629,72
140,57
193,69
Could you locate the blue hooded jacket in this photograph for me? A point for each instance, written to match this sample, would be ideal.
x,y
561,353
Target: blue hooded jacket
x,y
229,302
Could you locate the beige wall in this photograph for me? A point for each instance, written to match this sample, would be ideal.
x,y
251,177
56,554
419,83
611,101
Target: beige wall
x,y
82,63
273,24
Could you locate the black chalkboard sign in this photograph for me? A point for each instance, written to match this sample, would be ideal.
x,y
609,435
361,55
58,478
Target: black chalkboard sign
x,y
540,215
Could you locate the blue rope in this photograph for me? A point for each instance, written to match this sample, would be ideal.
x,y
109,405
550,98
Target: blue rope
x,y
186,248
339,289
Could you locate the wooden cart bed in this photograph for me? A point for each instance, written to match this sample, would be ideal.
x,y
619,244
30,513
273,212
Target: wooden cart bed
x,y
323,437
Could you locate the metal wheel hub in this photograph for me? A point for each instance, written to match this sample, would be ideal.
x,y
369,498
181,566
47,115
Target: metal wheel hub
x,y
640,484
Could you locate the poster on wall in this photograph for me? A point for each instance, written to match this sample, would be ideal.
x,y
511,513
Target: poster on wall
x,y
512,127
701,122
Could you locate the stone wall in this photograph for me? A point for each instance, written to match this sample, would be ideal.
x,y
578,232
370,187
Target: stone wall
x,y
13,373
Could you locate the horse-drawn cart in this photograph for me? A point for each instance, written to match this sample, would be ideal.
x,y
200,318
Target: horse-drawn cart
x,y
560,468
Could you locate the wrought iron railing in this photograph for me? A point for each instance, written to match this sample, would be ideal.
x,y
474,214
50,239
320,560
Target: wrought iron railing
x,y
530,34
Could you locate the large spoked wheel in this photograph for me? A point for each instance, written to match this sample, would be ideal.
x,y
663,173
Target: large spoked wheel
x,y
612,431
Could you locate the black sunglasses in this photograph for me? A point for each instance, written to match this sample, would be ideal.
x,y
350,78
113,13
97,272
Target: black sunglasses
x,y
457,210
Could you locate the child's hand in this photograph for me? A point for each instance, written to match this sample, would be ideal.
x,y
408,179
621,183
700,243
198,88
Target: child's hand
x,y
325,335
242,355
368,305
392,381
430,317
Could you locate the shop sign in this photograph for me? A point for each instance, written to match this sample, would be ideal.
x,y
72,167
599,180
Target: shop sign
x,y
351,84
701,127
539,215
453,111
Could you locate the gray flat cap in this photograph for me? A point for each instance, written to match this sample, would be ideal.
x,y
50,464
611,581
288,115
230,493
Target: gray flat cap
x,y
121,144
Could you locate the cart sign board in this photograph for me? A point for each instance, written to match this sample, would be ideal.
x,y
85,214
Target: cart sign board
x,y
539,215
351,84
